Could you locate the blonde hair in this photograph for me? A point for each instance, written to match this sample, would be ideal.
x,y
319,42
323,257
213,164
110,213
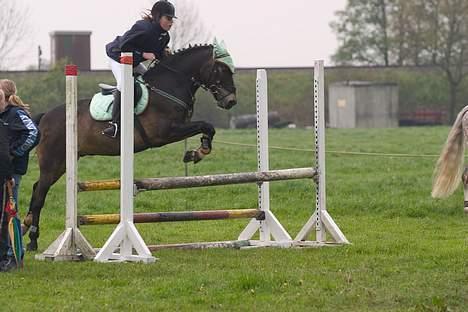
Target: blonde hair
x,y
9,89
2,96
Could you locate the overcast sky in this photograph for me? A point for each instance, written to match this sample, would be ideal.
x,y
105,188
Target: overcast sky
x,y
257,32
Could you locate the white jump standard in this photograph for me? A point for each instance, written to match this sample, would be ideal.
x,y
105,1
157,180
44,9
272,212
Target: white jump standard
x,y
125,238
71,244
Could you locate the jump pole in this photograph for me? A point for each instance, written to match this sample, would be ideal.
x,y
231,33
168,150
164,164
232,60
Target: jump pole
x,y
71,244
126,238
169,183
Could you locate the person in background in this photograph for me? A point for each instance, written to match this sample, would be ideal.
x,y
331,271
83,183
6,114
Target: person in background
x,y
148,40
23,132
6,176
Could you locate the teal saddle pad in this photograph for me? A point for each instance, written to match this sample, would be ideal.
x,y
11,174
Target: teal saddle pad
x,y
100,107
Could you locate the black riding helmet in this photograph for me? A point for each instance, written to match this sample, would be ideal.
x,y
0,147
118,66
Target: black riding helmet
x,y
162,8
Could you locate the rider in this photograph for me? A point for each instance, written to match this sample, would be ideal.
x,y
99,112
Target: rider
x,y
148,40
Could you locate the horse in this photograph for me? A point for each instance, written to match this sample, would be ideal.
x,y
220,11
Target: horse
x,y
449,171
165,120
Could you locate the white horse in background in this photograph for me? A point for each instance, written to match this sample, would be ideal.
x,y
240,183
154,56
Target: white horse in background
x,y
449,171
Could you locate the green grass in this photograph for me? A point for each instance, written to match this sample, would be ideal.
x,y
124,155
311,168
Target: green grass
x,y
408,253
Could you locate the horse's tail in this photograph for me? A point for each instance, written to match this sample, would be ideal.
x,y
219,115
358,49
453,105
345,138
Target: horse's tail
x,y
449,167
37,118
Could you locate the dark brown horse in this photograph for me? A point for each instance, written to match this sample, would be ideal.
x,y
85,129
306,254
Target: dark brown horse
x,y
165,120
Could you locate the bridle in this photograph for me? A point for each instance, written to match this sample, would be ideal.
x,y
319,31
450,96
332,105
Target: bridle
x,y
218,92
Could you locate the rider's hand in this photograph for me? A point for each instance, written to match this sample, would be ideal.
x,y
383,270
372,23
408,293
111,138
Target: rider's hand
x,y
149,56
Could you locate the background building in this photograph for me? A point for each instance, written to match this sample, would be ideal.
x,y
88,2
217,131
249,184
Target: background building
x,y
363,104
73,45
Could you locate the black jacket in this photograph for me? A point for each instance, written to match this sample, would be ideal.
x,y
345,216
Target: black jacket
x,y
144,36
23,136
6,168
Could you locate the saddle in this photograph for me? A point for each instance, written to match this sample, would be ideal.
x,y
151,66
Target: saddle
x,y
100,107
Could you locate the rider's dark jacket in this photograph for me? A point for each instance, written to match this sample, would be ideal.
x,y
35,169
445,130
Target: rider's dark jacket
x,y
23,136
144,36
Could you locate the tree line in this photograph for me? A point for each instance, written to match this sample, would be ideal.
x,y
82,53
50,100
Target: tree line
x,y
406,32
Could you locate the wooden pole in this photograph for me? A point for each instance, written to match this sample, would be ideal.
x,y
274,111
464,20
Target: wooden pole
x,y
152,184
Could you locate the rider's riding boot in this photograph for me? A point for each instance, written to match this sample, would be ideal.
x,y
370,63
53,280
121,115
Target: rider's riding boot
x,y
113,130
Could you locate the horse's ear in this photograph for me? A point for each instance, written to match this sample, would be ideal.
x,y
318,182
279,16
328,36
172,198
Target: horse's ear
x,y
221,54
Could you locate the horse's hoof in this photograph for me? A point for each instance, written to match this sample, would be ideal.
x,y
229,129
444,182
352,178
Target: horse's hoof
x,y
194,156
32,246
189,156
466,210
197,157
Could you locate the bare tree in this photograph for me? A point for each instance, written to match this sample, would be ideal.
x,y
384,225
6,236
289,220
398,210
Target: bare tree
x,y
188,27
14,28
363,32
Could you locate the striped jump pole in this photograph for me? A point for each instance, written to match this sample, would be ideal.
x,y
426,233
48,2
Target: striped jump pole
x,y
125,239
153,217
71,244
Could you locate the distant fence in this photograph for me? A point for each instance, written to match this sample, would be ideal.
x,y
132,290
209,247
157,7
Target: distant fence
x,y
423,117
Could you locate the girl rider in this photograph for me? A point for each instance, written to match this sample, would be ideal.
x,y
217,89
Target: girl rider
x,y
148,40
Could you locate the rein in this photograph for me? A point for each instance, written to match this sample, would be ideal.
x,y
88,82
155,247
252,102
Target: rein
x,y
187,107
213,88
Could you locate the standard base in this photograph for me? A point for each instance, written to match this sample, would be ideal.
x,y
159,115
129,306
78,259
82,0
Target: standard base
x,y
326,225
71,245
121,245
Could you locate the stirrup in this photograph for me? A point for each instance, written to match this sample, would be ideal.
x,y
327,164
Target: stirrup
x,y
112,130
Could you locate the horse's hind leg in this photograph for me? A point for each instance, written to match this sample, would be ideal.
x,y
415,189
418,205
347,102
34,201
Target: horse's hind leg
x,y
40,190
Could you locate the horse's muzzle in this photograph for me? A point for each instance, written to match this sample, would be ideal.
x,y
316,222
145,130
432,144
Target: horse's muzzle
x,y
228,102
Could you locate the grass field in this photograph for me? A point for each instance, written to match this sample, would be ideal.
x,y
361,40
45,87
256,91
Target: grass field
x,y
408,253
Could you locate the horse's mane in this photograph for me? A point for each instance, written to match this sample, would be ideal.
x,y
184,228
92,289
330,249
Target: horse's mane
x,y
182,52
175,57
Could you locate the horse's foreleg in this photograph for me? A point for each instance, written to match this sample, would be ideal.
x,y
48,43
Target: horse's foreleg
x,y
201,152
183,131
